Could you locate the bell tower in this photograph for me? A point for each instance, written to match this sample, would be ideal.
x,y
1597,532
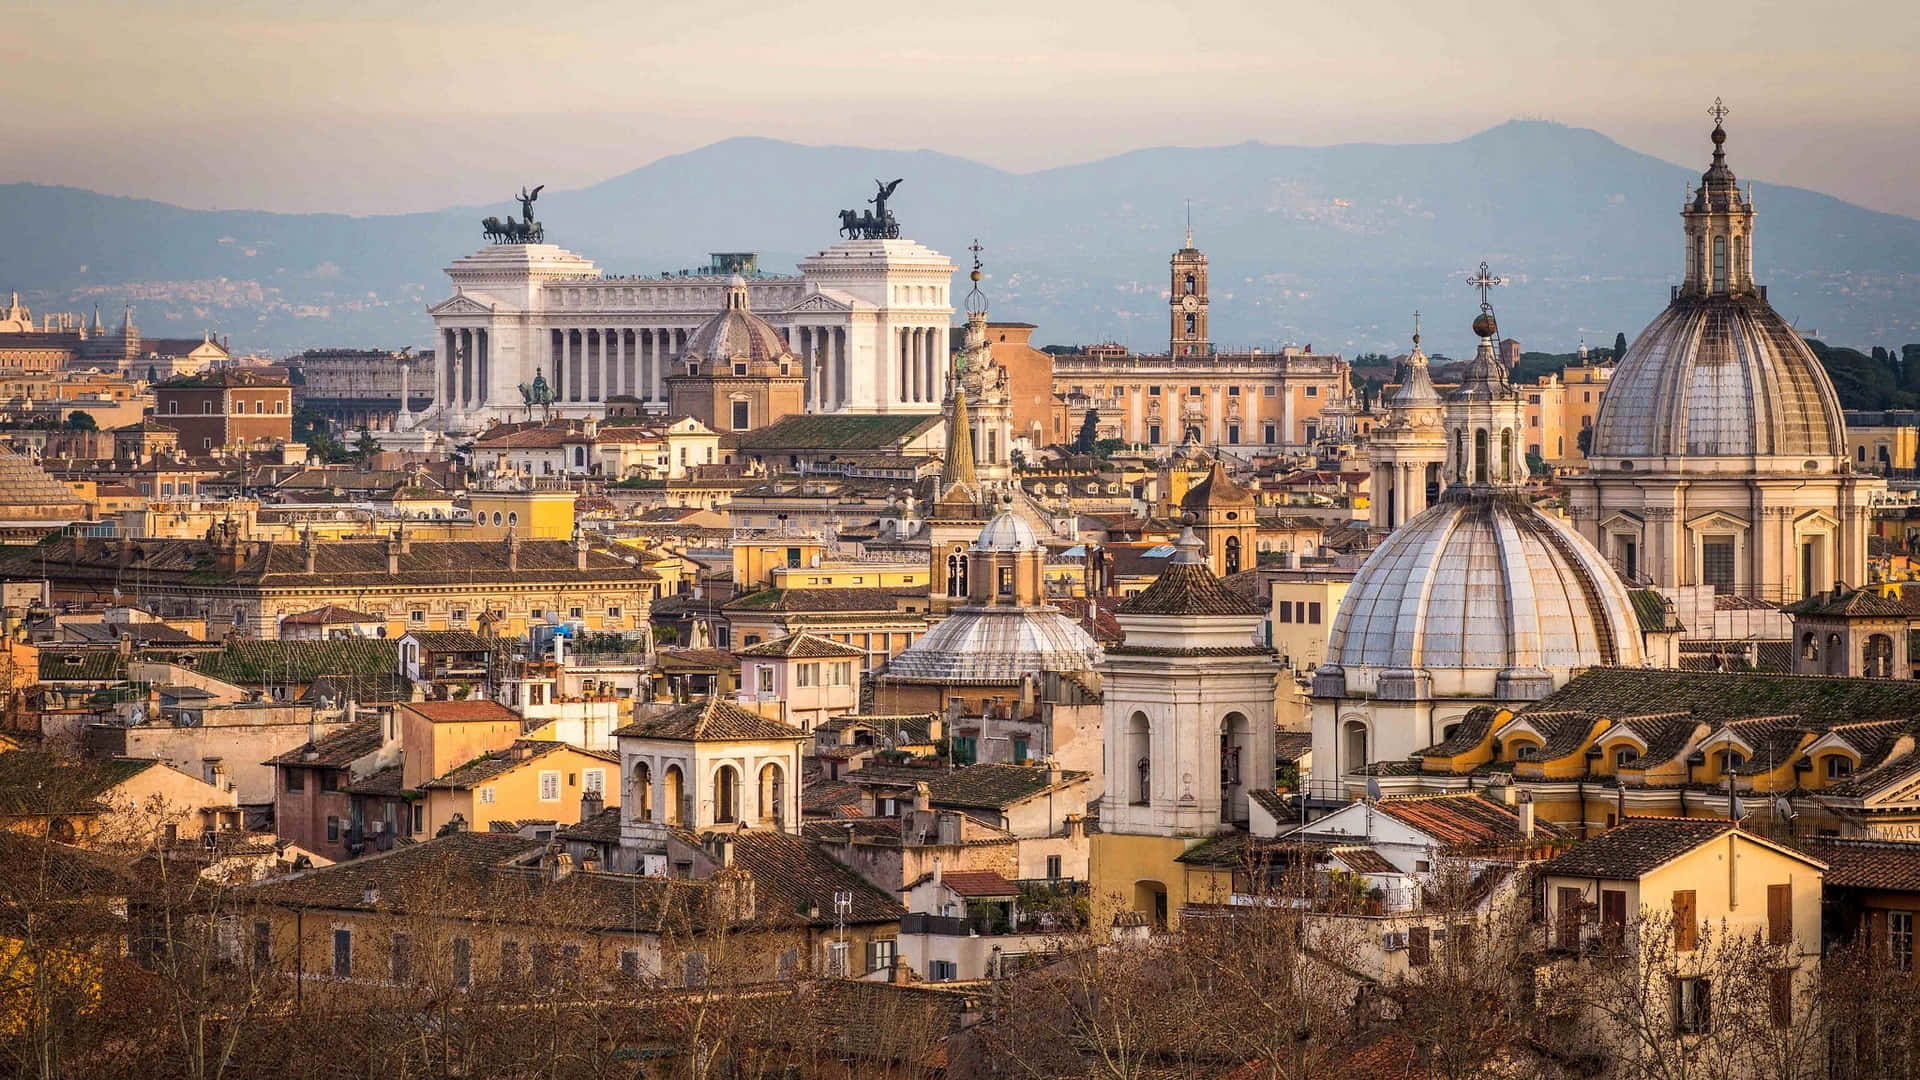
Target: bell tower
x,y
1187,300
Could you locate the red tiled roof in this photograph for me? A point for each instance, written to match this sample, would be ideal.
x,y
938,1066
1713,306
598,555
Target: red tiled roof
x,y
1461,820
460,712
978,883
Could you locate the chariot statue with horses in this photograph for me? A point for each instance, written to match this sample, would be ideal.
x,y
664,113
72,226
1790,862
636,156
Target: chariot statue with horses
x,y
875,224
526,231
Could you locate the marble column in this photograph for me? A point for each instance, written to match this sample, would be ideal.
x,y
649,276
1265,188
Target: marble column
x,y
449,358
659,393
555,349
576,342
484,367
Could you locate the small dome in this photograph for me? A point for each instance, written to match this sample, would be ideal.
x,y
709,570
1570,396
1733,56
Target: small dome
x,y
1007,532
1719,376
736,333
1484,580
997,644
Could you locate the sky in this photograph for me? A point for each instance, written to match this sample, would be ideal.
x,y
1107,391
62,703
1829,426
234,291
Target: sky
x,y
363,107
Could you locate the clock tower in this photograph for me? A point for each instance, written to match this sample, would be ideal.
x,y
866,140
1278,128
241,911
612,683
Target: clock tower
x,y
1187,301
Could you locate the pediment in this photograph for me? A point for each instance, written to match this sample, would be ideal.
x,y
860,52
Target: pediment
x,y
462,304
821,302
1901,791
1623,521
1816,519
1718,519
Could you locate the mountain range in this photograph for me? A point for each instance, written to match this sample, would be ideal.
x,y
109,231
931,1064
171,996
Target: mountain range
x,y
1331,246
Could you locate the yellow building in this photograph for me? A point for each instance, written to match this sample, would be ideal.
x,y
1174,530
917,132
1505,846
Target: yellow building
x,y
530,515
1886,448
527,781
1300,614
1559,407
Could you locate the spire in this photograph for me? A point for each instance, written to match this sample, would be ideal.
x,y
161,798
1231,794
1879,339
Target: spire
x,y
1416,383
98,327
976,300
958,471
1484,378
1189,244
1719,225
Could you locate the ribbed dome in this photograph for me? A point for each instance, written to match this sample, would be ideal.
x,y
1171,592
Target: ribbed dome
x,y
1485,581
1007,532
997,644
736,333
1719,376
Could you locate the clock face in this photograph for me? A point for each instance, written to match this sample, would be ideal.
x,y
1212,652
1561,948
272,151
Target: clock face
x,y
1190,302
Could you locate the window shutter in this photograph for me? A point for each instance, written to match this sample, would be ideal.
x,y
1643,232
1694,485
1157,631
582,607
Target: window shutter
x,y
1780,997
1779,914
1419,946
1686,923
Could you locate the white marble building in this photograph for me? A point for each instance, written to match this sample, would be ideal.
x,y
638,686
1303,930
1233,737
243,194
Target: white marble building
x,y
867,318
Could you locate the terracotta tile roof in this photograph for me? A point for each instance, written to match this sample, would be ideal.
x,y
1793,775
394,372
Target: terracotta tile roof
x,y
791,875
802,646
701,658
823,599
1653,611
1874,601
815,431
713,720
1094,616
1718,697
336,750
446,641
1187,588
328,615
458,712
1292,745
992,786
1363,860
1462,820
1892,865
981,884
824,798
1636,847
33,783
386,783
601,828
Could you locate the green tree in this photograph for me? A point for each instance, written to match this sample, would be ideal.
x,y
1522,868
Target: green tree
x,y
1619,346
80,420
366,447
1083,443
1584,440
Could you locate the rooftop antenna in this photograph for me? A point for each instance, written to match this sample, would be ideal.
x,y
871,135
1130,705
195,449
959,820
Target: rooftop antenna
x,y
1189,223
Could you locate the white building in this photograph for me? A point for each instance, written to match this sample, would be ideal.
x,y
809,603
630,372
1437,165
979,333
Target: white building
x,y
867,318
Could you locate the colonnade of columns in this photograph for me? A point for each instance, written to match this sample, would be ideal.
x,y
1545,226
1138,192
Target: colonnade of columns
x,y
467,366
823,355
595,364
917,361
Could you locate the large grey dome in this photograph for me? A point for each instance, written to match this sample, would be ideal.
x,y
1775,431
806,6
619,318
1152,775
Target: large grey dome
x,y
997,644
736,333
1485,581
1719,376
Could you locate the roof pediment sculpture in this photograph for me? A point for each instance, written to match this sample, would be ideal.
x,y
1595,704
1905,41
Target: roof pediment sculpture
x,y
526,231
875,224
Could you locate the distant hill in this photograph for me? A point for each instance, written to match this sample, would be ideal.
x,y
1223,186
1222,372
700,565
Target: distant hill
x,y
1333,246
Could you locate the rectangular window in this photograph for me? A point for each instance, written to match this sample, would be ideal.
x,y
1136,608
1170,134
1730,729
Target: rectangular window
x,y
1613,915
419,817
462,962
1020,747
630,964
1567,918
1053,866
262,944
593,781
296,779
400,959
788,964
1419,946
333,830
1193,391
740,416
613,613
1153,391
417,615
1313,612
880,954
694,969
1313,391
486,795
542,956
1286,611
965,749
549,785
330,780
1900,940
763,678
1716,563
943,971
1692,1006
342,953
1780,997
1779,914
575,613
1686,921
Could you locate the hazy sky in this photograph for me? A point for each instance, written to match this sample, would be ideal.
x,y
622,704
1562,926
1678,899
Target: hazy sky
x,y
361,107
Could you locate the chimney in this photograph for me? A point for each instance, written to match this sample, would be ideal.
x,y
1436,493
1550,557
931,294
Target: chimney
x,y
406,542
126,644
1076,826
513,549
561,866
590,805
936,869
307,549
1526,819
723,851
1054,773
393,554
590,863
370,896
922,796
580,549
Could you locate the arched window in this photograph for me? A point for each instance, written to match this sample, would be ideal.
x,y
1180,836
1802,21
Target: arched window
x,y
1460,455
1480,473
1730,760
642,792
957,574
1739,258
1625,756
1878,657
1233,555
1189,284
726,795
580,457
1719,264
674,797
1836,660
1237,767
1356,745
1810,647
1140,752
1506,454
773,795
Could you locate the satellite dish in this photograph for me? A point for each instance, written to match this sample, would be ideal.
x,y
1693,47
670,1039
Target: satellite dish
x,y
1783,809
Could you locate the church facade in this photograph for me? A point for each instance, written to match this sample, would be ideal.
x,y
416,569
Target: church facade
x,y
866,322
